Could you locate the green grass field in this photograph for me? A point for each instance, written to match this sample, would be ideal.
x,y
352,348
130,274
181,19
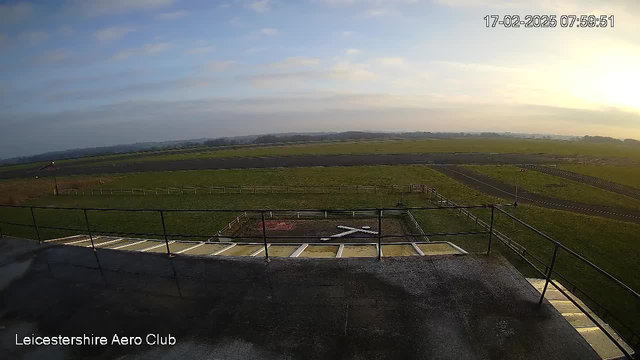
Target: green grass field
x,y
505,146
538,183
625,175
611,244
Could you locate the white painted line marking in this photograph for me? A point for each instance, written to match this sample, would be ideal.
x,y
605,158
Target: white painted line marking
x,y
457,247
77,241
259,250
360,230
417,249
126,245
340,250
107,242
345,233
189,248
65,238
299,250
223,250
156,246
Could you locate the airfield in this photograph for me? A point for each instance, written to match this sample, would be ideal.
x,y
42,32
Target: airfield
x,y
287,203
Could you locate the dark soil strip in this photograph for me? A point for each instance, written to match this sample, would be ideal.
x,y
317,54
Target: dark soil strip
x,y
589,180
496,188
290,161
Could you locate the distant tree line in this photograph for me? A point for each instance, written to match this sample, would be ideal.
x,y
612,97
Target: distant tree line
x,y
609,140
278,138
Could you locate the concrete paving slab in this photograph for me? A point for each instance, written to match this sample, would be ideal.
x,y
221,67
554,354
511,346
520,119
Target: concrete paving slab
x,y
437,249
398,250
320,251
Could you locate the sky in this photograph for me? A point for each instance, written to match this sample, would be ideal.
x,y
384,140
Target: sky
x,y
85,73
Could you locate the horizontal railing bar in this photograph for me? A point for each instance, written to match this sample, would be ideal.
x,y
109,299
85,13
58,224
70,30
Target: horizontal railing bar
x,y
257,210
580,257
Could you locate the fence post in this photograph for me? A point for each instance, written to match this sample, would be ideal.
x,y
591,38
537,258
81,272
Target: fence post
x,y
379,234
86,220
35,226
548,277
264,237
490,230
164,231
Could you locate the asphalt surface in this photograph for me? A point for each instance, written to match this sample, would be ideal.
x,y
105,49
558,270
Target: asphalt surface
x,y
442,307
497,188
286,161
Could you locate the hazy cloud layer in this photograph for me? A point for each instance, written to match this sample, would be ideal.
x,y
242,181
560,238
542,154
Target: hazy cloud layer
x,y
90,72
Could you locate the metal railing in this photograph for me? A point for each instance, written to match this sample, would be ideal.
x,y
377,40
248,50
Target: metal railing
x,y
632,336
464,210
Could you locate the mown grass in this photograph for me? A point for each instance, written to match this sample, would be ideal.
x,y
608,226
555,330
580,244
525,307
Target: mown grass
x,y
505,146
611,244
625,175
538,183
16,192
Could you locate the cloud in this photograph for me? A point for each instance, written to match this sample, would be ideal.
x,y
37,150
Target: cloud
x,y
479,67
129,90
53,56
236,21
172,15
282,80
147,49
259,6
113,33
353,51
254,50
219,65
15,13
347,33
102,7
200,50
391,61
345,70
33,38
269,31
293,62
377,12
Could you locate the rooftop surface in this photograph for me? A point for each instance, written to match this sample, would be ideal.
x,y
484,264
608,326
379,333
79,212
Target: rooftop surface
x,y
444,307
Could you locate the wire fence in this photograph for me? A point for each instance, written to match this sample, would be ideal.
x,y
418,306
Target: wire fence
x,y
255,189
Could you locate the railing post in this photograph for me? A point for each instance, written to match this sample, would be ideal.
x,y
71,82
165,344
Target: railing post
x,y
86,220
379,234
490,230
35,226
264,237
164,231
546,284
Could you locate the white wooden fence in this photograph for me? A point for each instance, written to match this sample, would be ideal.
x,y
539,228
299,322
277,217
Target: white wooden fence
x,y
254,189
